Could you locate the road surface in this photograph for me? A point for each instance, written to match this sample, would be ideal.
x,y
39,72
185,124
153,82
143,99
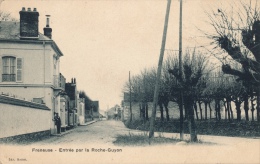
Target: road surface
x,y
94,144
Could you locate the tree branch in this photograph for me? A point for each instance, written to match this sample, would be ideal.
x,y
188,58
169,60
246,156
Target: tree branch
x,y
236,54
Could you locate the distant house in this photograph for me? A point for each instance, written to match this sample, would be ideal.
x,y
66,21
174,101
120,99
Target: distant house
x,y
81,111
95,109
71,90
64,111
30,62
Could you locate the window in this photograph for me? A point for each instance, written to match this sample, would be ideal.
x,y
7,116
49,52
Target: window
x,y
19,69
12,69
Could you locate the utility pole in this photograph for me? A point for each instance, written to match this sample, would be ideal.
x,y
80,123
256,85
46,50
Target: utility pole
x,y
158,76
130,102
180,69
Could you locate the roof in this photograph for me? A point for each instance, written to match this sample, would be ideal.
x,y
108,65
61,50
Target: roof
x,y
10,31
18,102
70,89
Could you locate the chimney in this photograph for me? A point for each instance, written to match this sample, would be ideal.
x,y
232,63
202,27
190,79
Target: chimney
x,y
29,23
47,30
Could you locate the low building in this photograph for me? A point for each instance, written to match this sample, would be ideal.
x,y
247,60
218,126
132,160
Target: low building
x,y
81,111
71,90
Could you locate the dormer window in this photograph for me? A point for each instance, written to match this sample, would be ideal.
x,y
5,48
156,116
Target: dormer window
x,y
12,69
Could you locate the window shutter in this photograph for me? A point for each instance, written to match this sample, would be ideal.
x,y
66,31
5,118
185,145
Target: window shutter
x,y
19,67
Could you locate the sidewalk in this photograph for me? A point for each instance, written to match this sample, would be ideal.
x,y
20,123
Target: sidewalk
x,y
71,130
88,123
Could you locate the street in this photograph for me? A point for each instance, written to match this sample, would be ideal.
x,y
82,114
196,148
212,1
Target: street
x,y
94,144
98,133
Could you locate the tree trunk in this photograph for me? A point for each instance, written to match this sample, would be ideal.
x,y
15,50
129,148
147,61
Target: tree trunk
x,y
161,109
196,110
252,109
225,103
146,111
217,109
143,110
246,107
219,113
238,104
186,114
206,110
167,111
188,103
231,110
258,104
210,111
200,110
228,111
140,109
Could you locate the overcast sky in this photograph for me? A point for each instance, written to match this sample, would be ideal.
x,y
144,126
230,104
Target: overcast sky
x,y
102,40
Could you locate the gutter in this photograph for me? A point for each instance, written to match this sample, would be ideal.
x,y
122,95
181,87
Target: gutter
x,y
51,42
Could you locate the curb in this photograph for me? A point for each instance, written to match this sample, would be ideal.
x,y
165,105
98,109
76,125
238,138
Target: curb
x,y
88,123
69,131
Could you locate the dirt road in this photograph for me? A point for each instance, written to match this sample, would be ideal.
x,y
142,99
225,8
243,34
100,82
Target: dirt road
x,y
98,133
94,144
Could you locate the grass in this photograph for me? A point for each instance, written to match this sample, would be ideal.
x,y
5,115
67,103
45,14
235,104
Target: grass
x,y
205,127
142,139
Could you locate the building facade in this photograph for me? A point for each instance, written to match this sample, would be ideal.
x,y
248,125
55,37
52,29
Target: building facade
x,y
30,62
71,91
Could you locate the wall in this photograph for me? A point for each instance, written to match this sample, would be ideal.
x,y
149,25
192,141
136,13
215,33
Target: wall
x,y
30,92
36,56
18,119
81,113
173,110
63,112
40,65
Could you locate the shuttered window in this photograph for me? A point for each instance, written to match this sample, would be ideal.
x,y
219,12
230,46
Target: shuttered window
x,y
19,64
12,69
8,68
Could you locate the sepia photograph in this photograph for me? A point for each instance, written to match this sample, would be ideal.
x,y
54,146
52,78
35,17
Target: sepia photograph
x,y
130,81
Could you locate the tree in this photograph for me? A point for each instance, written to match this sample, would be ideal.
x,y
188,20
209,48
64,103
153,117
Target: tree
x,y
4,16
193,68
237,32
88,101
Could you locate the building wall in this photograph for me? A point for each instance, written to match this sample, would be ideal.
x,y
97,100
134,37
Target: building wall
x,y
17,120
63,112
31,92
40,68
81,113
38,62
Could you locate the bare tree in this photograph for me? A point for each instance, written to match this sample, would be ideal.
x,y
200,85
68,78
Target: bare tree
x,y
238,34
193,68
4,16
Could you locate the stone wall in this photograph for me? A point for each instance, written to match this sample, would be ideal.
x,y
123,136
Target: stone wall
x,y
19,117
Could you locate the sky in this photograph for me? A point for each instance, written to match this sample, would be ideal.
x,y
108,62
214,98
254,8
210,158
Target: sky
x,y
102,40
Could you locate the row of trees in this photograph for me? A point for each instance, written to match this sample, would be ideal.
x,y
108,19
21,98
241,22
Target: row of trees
x,y
236,40
201,86
237,34
89,106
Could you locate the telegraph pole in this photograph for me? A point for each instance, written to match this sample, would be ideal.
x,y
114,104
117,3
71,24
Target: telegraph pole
x,y
158,76
180,69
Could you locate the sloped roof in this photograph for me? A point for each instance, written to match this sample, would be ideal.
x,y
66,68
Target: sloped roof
x,y
10,31
18,102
